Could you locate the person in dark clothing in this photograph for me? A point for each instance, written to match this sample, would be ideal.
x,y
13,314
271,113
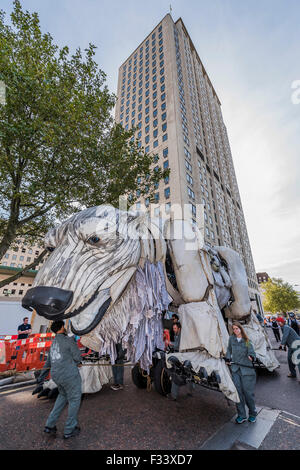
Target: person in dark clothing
x,y
24,330
292,341
177,332
175,319
294,323
63,359
276,329
175,346
118,369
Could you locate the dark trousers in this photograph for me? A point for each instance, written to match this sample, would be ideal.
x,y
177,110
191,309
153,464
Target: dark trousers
x,y
118,369
276,334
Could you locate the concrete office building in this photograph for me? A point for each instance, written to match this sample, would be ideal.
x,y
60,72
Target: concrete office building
x,y
17,257
164,91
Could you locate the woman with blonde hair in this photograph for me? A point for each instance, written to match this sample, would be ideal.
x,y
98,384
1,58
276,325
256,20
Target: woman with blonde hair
x,y
240,355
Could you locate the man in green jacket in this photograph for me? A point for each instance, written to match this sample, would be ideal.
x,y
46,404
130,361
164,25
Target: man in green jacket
x,y
63,359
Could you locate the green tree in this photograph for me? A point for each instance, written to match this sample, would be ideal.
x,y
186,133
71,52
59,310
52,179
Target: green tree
x,y
60,148
279,296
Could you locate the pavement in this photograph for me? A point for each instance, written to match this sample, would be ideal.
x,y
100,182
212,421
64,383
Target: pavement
x,y
135,419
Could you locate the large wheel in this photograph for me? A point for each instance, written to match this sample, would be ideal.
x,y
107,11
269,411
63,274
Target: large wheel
x,y
139,380
161,378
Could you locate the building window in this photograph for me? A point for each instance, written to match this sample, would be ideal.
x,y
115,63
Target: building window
x,y
164,127
193,209
189,179
165,152
167,193
191,193
155,143
165,137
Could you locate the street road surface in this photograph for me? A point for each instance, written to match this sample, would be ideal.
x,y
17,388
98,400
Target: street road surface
x,y
137,419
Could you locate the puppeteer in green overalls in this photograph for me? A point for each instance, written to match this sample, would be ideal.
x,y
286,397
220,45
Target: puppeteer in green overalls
x,y
240,353
63,360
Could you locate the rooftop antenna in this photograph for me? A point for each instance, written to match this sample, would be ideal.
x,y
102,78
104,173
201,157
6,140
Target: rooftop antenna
x,y
170,9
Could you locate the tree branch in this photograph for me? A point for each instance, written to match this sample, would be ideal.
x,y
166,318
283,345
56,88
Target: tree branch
x,y
23,271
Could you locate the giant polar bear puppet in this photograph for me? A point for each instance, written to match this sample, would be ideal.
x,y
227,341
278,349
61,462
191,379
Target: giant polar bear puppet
x,y
114,272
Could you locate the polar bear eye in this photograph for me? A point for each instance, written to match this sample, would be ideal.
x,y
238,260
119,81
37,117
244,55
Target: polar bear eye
x,y
93,240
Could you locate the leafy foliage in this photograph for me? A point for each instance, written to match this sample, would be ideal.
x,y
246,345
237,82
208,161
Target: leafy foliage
x,y
279,296
60,148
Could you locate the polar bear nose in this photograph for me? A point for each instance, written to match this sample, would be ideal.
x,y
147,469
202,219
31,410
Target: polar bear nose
x,y
50,302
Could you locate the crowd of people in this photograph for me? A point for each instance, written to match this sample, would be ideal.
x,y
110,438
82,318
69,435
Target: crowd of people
x,y
65,358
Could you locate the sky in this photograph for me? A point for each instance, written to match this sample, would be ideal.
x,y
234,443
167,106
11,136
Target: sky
x,y
251,52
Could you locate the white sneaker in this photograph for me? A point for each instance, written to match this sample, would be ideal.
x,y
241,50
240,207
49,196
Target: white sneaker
x,y
117,387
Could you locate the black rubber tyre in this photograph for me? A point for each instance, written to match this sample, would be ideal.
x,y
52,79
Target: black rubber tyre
x,y
137,378
53,393
161,379
37,373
